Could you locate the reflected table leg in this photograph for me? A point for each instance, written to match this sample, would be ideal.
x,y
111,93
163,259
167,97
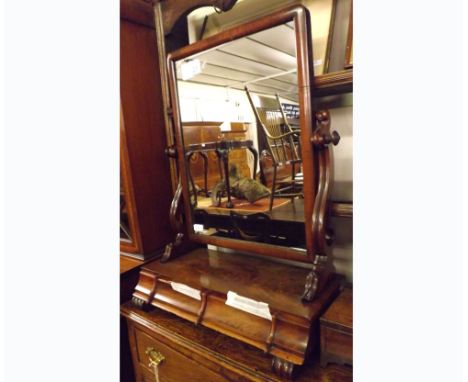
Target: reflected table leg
x,y
224,155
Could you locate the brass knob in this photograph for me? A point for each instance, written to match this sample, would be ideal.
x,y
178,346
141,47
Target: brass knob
x,y
155,357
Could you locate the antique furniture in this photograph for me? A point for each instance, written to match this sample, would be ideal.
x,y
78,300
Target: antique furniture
x,y
222,148
198,287
281,146
255,301
286,221
336,331
239,295
195,353
144,168
314,139
285,224
206,169
145,176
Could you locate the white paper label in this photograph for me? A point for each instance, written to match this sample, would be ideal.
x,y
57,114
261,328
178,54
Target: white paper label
x,y
248,305
186,290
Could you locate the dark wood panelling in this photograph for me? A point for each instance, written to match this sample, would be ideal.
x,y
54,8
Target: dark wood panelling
x,y
143,115
138,12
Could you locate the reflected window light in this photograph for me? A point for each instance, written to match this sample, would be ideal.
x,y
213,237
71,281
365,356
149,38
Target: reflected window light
x,y
225,126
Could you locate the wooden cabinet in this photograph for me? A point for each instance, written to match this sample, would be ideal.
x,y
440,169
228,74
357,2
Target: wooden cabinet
x,y
146,190
204,338
336,331
194,353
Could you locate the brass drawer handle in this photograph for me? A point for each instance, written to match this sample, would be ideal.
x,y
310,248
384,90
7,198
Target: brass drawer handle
x,y
155,357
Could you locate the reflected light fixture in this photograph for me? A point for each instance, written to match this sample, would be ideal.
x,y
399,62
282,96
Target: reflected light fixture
x,y
190,68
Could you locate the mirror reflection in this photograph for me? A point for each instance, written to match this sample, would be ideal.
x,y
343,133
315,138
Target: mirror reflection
x,y
240,113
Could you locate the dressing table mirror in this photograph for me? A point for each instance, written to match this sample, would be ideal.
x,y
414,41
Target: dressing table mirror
x,y
253,163
252,154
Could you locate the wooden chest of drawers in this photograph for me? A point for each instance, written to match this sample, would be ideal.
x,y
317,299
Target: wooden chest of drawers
x,y
194,353
336,331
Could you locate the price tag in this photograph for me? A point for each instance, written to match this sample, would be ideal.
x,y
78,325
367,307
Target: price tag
x,y
248,305
186,290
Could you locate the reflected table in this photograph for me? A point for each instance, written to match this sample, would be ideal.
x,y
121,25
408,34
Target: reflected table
x,y
222,149
286,221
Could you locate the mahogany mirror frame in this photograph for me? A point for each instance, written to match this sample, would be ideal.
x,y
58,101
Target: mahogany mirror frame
x,y
301,18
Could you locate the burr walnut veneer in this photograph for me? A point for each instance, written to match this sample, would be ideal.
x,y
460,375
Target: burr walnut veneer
x,y
146,178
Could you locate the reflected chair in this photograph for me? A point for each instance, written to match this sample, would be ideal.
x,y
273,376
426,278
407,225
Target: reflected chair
x,y
284,151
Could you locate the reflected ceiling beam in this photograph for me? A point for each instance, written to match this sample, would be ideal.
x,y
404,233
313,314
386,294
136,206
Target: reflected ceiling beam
x,y
270,76
248,59
282,93
286,82
269,46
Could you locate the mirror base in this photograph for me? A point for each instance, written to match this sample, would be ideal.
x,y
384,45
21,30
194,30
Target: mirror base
x,y
317,278
196,287
179,246
283,368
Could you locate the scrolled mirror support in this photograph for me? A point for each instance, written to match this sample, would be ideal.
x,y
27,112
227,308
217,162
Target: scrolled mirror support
x,y
323,236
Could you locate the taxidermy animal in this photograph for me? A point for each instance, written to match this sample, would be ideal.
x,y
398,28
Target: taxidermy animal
x,y
241,188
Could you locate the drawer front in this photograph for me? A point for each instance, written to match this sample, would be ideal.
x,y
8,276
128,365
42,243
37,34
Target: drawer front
x,y
337,343
176,367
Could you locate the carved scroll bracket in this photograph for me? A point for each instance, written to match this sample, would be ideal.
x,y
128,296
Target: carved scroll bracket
x,y
173,10
317,277
321,141
180,244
